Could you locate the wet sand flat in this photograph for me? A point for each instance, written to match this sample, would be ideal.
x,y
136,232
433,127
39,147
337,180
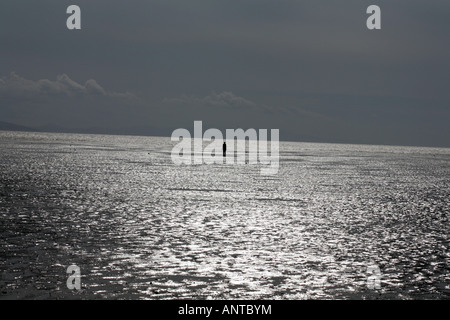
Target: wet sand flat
x,y
140,227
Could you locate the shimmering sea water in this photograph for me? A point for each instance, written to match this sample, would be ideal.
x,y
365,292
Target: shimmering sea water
x,y
140,227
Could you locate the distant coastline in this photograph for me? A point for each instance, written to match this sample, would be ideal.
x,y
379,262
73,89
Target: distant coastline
x,y
145,131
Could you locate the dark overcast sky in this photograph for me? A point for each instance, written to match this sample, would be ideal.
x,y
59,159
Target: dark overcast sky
x,y
309,68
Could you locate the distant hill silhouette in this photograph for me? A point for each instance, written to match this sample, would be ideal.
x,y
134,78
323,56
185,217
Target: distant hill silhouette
x,y
7,126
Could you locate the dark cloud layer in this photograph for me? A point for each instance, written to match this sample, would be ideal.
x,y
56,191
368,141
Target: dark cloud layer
x,y
309,68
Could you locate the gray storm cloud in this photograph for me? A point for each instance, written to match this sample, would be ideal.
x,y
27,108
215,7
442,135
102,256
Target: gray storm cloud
x,y
230,101
16,86
223,99
310,68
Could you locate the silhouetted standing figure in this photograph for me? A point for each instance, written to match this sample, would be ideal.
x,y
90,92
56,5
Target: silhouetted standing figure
x,y
224,149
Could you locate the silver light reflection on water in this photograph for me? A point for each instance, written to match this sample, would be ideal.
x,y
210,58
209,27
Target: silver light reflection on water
x,y
140,227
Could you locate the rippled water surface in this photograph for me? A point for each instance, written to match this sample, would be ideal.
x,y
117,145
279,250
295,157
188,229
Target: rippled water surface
x,y
140,227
